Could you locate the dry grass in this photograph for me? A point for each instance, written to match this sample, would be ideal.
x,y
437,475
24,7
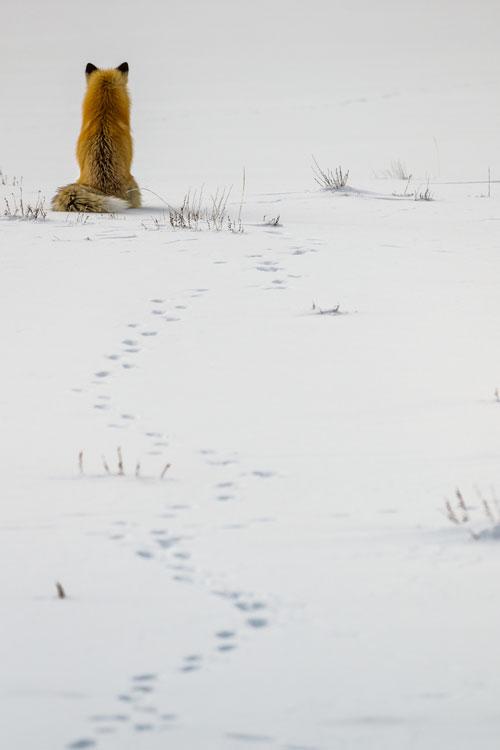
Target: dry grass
x,y
61,594
15,207
215,216
406,192
423,194
328,179
10,181
418,194
197,212
481,521
120,470
325,310
273,221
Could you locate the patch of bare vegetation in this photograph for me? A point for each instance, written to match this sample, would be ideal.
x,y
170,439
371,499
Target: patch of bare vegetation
x,y
271,221
16,207
7,181
197,212
119,470
335,310
194,214
417,194
61,594
481,520
78,217
423,194
407,192
329,179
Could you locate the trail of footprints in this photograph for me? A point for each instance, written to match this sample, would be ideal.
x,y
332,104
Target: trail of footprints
x,y
167,312
278,276
137,710
127,357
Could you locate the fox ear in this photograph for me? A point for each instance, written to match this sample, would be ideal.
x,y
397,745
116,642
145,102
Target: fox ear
x,y
90,69
123,68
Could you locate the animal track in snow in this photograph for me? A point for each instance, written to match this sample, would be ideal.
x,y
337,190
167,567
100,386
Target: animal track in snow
x,y
268,266
263,473
300,251
142,688
225,491
246,603
182,555
168,542
144,553
146,677
191,663
225,647
257,622
250,605
143,727
169,547
223,461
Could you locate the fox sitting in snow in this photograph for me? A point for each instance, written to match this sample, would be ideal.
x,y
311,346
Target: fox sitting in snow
x,y
104,148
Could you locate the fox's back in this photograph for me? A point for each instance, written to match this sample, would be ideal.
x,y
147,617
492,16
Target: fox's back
x,y
104,148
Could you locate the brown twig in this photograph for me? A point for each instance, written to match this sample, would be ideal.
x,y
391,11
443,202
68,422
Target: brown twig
x,y
121,471
61,594
165,469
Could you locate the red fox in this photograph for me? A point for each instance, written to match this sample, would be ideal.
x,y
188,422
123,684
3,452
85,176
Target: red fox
x,y
104,148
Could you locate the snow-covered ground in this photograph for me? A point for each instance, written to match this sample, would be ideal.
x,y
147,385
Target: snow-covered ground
x,y
292,581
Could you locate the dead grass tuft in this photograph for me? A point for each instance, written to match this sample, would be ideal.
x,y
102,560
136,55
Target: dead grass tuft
x,y
328,179
15,207
474,517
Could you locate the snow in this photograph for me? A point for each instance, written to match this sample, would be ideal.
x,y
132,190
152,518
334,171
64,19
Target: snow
x,y
292,581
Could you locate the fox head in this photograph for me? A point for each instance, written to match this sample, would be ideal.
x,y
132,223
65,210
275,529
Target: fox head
x,y
91,68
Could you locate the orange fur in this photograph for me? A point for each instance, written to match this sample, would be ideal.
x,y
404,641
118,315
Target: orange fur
x,y
104,148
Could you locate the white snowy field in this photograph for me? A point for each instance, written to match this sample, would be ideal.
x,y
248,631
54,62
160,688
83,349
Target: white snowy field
x,y
292,581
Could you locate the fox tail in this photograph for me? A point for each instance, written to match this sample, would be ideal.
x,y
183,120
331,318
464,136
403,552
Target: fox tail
x,y
76,197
